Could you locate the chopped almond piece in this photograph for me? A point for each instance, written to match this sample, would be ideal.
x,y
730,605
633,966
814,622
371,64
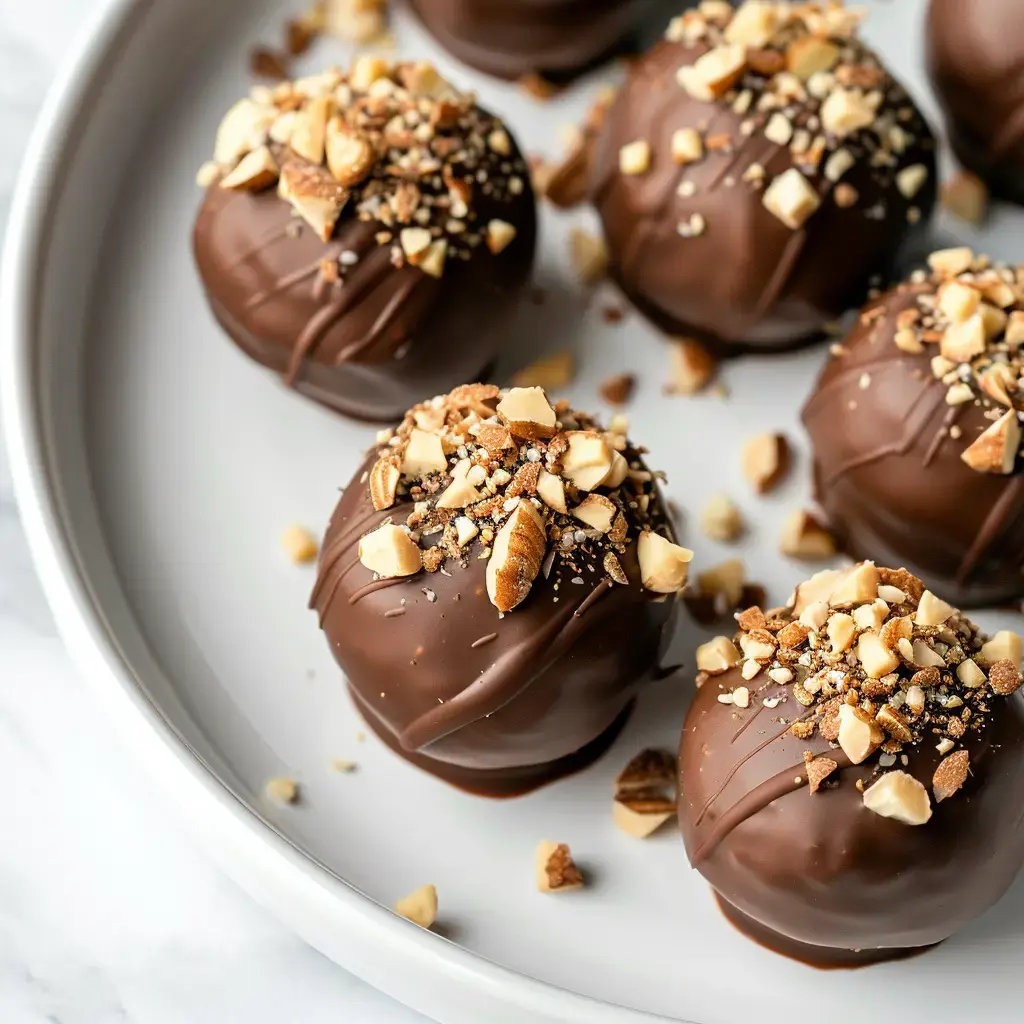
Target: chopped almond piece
x,y
687,146
390,552
899,796
618,389
721,520
597,512
817,770
516,557
282,790
692,368
950,775
1004,646
420,907
859,734
500,235
317,197
350,156
932,611
804,538
635,157
995,450
550,372
255,172
860,584
641,817
650,768
717,655
527,413
726,578
791,198
588,255
551,491
309,131
384,479
714,73
587,460
663,565
299,543
966,196
556,871
423,455
765,461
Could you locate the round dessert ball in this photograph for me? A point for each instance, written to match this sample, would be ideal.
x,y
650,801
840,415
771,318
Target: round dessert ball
x,y
498,582
756,171
976,61
852,769
916,434
515,38
366,235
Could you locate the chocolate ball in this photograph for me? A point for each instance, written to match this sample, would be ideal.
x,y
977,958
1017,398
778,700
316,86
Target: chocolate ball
x,y
754,174
498,584
858,798
366,235
976,61
914,434
514,38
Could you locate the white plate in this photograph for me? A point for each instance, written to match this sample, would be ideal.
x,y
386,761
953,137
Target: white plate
x,y
156,468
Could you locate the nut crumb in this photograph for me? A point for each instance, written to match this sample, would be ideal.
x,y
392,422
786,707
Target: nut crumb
x,y
420,906
618,389
299,544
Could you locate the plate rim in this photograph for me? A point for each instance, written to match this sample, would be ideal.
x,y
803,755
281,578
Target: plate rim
x,y
246,847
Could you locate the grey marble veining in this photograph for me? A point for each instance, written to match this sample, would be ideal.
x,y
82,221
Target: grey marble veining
x,y
107,914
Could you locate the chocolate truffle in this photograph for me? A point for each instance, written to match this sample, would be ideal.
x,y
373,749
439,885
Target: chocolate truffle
x,y
498,582
852,769
916,433
756,171
975,56
515,38
366,235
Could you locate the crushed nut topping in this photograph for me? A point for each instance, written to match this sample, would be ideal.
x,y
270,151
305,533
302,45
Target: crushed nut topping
x,y
967,316
880,668
393,144
533,487
799,75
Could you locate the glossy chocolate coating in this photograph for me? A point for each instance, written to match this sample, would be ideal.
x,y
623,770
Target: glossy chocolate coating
x,y
748,282
513,38
494,704
818,874
371,344
976,61
890,479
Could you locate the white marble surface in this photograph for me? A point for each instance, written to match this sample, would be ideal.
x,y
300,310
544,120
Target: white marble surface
x,y
107,914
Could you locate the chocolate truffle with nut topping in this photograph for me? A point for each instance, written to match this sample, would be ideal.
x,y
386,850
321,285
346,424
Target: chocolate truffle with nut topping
x,y
366,235
915,426
515,38
498,582
758,168
976,60
852,769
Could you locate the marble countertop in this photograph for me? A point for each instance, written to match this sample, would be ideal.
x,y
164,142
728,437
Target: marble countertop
x,y
107,913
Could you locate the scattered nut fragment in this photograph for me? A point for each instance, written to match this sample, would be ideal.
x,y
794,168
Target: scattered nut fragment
x,y
965,196
687,146
894,724
618,389
649,768
314,194
551,491
389,552
641,815
527,413
714,73
596,511
859,734
804,538
691,367
717,655
841,630
970,674
588,459
500,235
663,565
1004,646
384,479
282,790
299,543
859,585
355,21
420,906
791,198
556,871
519,549
876,658
588,254
765,461
817,770
932,611
423,455
255,172
635,157
899,796
995,450
550,372
950,775
726,578
721,519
